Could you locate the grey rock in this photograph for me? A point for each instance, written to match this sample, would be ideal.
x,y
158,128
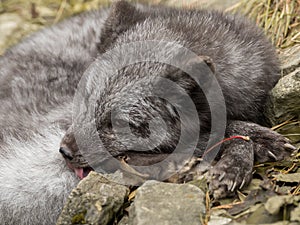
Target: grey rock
x,y
284,102
96,200
165,203
290,59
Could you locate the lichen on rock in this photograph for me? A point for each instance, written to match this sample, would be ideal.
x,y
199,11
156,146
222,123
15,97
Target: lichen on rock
x,y
96,200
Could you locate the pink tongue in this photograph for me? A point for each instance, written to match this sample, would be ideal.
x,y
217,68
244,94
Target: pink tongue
x,y
79,173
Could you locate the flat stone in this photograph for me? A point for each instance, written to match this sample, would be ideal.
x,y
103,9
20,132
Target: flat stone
x,y
284,102
290,59
167,204
96,200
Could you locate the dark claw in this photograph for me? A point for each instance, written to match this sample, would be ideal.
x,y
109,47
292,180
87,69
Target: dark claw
x,y
222,176
233,186
242,184
272,155
289,146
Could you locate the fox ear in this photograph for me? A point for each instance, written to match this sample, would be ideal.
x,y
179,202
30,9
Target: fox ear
x,y
122,16
204,70
207,61
198,69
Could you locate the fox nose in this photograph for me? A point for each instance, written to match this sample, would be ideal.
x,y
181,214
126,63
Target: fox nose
x,y
65,153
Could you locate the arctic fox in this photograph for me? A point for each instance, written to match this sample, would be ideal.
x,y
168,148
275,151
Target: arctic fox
x,y
227,48
39,78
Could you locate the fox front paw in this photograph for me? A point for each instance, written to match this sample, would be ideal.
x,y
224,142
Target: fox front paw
x,y
234,169
270,145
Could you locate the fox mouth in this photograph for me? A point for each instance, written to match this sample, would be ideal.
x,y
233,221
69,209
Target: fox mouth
x,y
81,172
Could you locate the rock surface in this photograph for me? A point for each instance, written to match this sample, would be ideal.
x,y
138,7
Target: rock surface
x,y
284,101
290,59
285,98
167,204
96,200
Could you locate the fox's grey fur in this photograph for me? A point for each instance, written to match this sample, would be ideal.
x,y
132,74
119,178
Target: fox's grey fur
x,y
239,56
37,82
39,76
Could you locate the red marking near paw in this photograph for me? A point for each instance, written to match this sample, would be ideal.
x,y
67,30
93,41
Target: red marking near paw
x,y
245,138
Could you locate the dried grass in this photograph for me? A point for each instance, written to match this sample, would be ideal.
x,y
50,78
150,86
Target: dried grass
x,y
279,18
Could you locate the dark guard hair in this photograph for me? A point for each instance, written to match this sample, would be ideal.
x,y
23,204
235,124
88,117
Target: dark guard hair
x,y
238,55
